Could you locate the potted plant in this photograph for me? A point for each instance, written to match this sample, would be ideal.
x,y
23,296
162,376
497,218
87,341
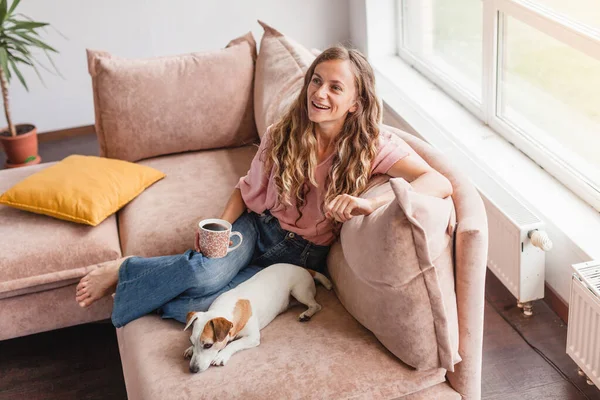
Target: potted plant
x,y
18,37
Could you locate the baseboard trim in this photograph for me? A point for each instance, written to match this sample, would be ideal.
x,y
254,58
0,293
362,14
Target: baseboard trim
x,y
556,303
66,133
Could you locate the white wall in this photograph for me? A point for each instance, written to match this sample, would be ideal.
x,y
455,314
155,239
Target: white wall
x,y
358,25
146,28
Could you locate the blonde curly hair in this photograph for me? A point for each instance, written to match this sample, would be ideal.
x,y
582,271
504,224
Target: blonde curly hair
x,y
292,150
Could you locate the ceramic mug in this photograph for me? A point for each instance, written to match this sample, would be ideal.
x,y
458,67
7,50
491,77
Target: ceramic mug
x,y
214,236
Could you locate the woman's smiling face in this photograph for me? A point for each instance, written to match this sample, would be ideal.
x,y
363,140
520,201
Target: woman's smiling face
x,y
331,93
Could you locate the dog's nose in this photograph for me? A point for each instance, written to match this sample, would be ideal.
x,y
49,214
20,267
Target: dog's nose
x,y
194,369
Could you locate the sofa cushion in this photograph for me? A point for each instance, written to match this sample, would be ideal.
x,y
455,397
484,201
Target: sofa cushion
x,y
396,275
330,357
280,69
48,310
82,189
164,218
38,253
152,107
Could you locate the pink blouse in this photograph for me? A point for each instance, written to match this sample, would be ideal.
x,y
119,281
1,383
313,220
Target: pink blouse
x,y
260,193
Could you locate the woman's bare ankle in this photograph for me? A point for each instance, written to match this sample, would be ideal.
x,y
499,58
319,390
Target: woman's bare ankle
x,y
99,282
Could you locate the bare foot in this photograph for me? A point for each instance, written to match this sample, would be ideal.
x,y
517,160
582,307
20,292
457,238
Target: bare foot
x,y
98,283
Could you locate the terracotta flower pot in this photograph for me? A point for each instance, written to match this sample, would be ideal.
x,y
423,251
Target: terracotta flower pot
x,y
22,149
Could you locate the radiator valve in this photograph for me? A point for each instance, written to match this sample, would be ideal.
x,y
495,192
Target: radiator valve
x,y
540,239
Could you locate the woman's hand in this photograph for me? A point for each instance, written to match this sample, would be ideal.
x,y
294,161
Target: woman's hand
x,y
344,207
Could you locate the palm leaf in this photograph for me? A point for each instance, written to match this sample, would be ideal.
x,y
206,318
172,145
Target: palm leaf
x,y
19,59
18,73
53,65
28,58
8,39
35,42
14,5
37,72
3,11
26,25
24,16
20,49
19,35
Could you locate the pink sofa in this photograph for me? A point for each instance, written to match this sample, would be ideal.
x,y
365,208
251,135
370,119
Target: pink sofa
x,y
332,357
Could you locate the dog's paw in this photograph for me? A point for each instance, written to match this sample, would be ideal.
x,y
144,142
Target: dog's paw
x,y
221,359
189,352
303,317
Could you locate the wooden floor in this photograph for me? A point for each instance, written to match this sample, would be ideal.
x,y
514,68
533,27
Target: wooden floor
x,y
523,357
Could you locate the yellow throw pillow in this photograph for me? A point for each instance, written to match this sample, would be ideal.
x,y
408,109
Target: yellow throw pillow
x,y
83,189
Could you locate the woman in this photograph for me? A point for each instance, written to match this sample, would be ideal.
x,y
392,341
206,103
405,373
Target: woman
x,y
302,184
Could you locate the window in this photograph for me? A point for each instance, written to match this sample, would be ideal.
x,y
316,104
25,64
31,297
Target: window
x,y
528,68
434,35
583,11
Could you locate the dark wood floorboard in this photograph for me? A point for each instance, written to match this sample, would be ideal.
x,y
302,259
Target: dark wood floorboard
x,y
524,358
80,362
544,332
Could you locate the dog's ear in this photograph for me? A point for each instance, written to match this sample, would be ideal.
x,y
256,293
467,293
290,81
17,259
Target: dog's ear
x,y
221,328
191,317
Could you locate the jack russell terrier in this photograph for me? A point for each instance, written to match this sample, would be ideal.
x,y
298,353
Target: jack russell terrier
x,y
234,320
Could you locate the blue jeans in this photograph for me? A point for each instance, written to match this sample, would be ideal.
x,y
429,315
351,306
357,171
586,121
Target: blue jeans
x,y
176,285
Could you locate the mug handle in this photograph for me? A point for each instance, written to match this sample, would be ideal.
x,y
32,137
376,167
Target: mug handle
x,y
230,249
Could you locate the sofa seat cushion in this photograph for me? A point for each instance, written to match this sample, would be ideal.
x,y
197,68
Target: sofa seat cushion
x,y
163,219
40,253
48,310
330,357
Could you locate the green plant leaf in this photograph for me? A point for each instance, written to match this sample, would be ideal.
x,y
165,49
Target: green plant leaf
x,y
21,60
35,42
14,5
15,44
8,39
37,72
30,60
18,36
18,73
21,47
3,11
23,52
53,65
26,25
24,16
39,63
29,159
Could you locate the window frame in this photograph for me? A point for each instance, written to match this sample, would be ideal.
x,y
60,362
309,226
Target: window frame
x,y
495,14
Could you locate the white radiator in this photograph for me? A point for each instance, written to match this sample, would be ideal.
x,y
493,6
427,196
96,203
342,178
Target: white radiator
x,y
516,235
511,256
583,332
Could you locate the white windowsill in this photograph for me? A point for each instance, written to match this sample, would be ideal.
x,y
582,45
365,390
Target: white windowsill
x,y
573,225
